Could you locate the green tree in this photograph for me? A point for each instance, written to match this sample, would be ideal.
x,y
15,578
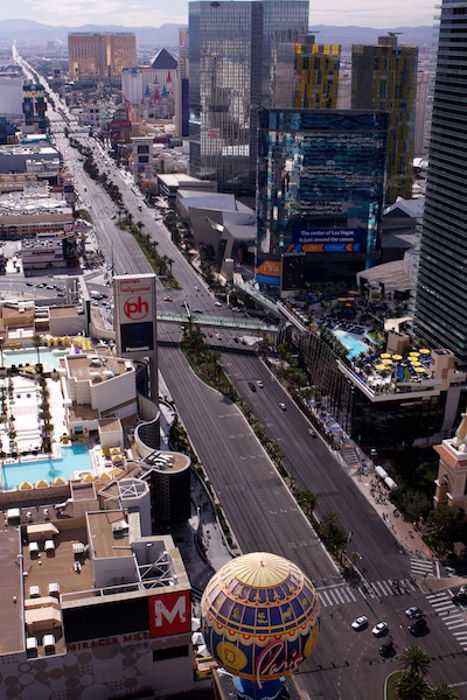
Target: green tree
x,y
415,660
411,686
445,527
308,501
443,692
332,534
37,341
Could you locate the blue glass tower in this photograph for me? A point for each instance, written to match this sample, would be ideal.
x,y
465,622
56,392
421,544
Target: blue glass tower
x,y
319,195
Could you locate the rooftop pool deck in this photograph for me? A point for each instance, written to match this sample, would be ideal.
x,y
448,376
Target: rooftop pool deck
x,y
49,358
355,346
74,459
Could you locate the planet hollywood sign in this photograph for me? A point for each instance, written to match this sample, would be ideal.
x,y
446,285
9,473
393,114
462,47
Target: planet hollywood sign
x,y
136,300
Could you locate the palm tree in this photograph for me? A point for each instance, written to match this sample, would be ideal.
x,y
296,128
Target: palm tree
x,y
415,660
413,687
37,342
443,692
308,501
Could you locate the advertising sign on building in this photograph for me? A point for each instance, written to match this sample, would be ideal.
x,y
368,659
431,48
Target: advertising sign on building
x,y
329,240
169,613
135,305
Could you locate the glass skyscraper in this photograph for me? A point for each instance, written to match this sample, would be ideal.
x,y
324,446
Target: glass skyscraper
x,y
441,294
231,68
384,77
319,195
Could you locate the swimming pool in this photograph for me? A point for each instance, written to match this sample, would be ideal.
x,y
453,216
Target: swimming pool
x,y
73,459
352,342
29,357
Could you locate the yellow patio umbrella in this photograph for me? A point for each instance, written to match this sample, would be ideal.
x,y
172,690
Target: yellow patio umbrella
x,y
88,477
380,367
59,481
425,351
385,355
397,357
116,458
114,450
116,471
42,484
104,476
25,486
420,369
387,361
415,363
414,353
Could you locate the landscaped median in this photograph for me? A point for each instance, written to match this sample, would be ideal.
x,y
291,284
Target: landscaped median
x,y
390,685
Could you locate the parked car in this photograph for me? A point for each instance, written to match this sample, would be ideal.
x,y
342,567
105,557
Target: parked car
x,y
218,336
168,299
359,623
387,647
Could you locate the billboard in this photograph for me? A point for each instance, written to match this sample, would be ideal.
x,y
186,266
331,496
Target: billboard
x,y
327,240
135,313
268,270
169,613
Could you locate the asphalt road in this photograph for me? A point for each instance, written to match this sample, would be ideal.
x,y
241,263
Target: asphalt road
x,y
312,464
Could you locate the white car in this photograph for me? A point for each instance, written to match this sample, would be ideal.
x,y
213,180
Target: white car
x,y
282,406
259,383
380,629
359,623
217,303
218,336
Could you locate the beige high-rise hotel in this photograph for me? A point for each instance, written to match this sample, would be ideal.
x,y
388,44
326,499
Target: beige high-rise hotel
x,y
100,56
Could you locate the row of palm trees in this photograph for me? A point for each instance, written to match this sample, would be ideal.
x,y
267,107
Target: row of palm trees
x,y
412,684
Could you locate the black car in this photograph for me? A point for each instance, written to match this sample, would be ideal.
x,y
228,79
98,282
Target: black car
x,y
387,648
252,386
419,626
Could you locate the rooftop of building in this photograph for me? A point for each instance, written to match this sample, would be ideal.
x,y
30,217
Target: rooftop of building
x,y
11,588
163,60
96,367
103,527
412,208
394,274
34,200
31,149
62,311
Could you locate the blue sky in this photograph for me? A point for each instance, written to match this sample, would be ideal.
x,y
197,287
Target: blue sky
x,y
371,13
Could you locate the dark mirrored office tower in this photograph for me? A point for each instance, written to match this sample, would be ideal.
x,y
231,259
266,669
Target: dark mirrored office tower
x,y
441,294
231,47
384,78
319,195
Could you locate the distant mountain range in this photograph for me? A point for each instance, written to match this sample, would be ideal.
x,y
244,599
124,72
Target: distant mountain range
x,y
35,33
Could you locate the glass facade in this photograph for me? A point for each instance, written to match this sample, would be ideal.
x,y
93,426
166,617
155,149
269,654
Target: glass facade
x,y
384,77
441,295
320,192
230,78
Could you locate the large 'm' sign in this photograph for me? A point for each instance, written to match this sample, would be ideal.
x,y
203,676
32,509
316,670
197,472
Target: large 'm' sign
x,y
169,613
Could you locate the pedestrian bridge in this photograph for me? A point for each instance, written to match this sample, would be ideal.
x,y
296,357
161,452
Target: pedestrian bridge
x,y
240,324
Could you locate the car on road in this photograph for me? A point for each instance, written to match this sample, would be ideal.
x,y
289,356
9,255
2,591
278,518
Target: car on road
x,y
419,626
29,284
359,623
252,386
217,303
282,406
259,383
168,299
413,612
312,433
218,336
380,628
197,311
461,595
235,339
210,334
387,648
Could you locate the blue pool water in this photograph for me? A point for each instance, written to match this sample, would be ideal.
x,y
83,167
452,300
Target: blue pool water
x,y
29,357
354,346
73,459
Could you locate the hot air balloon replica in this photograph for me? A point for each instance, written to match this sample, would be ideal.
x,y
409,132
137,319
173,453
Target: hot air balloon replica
x,y
260,620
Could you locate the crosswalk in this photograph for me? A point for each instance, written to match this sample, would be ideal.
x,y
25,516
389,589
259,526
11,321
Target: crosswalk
x,y
341,594
422,567
453,616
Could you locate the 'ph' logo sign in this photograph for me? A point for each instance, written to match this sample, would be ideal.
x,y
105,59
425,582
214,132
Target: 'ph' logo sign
x,y
135,308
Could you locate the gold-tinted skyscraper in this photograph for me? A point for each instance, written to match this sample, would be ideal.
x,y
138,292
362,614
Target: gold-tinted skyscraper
x,y
384,77
316,74
100,56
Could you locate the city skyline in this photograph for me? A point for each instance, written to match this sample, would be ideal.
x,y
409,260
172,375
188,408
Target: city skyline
x,y
147,13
